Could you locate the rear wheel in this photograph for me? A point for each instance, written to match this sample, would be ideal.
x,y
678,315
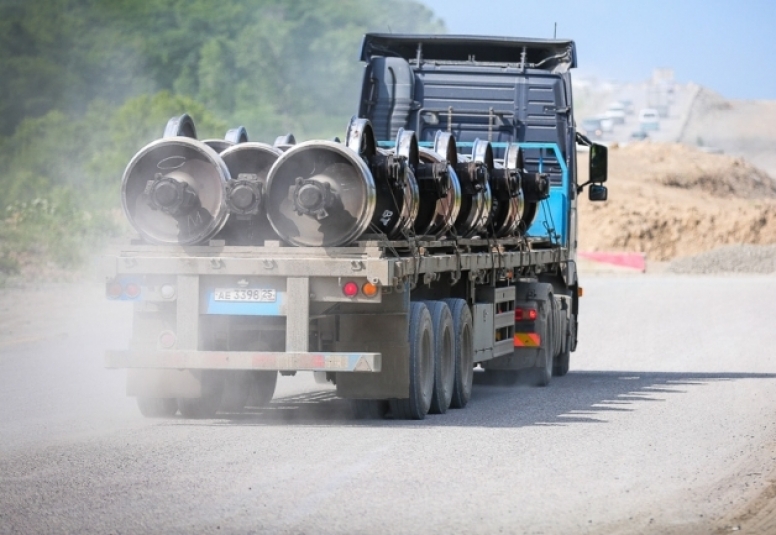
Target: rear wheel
x,y
264,383
562,360
543,372
207,405
561,365
421,341
237,388
464,352
157,407
444,356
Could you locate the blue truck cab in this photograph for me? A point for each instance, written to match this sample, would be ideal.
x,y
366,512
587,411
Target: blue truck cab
x,y
500,89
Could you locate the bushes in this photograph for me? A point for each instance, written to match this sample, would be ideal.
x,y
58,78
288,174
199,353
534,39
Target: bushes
x,y
61,176
40,233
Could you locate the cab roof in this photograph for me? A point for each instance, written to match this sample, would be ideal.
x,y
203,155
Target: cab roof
x,y
557,55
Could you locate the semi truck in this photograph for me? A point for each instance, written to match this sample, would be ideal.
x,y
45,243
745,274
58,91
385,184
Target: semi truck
x,y
438,236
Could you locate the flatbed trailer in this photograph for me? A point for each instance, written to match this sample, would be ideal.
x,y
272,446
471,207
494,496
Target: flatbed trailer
x,y
177,309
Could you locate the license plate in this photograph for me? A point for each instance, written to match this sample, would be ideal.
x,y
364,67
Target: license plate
x,y
247,295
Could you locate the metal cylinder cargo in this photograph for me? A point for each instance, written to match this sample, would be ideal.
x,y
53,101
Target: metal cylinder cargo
x,y
438,236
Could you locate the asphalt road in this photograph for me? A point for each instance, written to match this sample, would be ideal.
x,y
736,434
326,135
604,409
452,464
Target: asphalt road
x,y
664,425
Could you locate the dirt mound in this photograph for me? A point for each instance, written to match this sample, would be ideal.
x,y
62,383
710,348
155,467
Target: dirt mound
x,y
679,166
670,201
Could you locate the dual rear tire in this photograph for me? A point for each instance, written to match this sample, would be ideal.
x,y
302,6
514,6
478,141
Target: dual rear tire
x,y
562,359
421,364
441,359
444,356
230,392
225,391
463,337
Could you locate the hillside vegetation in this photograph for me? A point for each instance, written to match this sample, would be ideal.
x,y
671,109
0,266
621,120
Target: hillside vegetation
x,y
86,83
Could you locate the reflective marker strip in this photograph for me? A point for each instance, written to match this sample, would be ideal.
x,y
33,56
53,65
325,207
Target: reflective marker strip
x,y
528,340
244,360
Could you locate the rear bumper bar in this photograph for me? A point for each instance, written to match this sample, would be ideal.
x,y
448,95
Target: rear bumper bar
x,y
244,360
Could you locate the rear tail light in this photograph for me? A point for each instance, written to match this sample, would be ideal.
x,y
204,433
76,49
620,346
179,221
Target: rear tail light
x,y
132,290
350,289
113,290
525,314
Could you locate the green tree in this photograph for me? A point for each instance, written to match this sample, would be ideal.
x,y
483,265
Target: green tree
x,y
86,83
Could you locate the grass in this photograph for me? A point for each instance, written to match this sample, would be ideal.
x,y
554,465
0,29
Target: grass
x,y
47,236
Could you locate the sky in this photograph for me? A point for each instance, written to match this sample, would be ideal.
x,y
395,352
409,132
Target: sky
x,y
728,47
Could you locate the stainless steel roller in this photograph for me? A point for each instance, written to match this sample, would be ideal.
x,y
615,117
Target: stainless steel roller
x,y
173,192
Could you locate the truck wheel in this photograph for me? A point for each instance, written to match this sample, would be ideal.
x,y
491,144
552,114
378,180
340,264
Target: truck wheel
x,y
464,352
561,365
444,356
237,388
421,340
207,405
263,390
368,409
543,374
157,407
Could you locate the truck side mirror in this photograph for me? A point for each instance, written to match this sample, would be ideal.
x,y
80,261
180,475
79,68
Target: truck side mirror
x,y
597,192
598,163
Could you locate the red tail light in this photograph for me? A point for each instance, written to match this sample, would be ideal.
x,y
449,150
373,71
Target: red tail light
x,y
113,290
525,314
350,289
132,290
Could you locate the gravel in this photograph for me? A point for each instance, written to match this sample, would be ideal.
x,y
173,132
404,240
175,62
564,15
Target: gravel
x,y
635,439
739,258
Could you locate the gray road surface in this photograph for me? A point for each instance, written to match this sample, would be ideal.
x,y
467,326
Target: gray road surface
x,y
664,425
671,127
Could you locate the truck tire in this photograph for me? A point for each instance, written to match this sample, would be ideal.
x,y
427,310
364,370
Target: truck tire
x,y
464,352
157,407
264,383
561,364
543,374
207,405
369,409
444,356
421,341
237,388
